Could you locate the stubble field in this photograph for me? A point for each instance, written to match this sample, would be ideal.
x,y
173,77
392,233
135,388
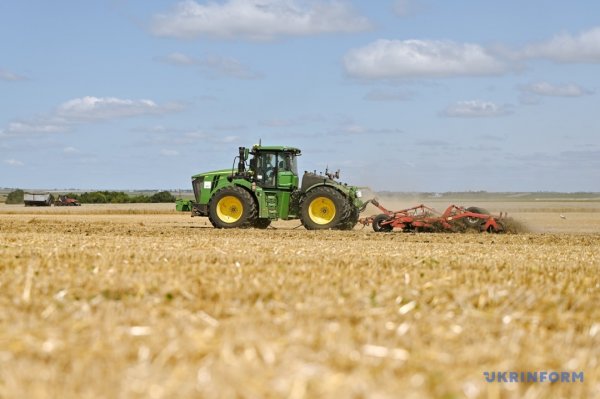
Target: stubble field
x,y
140,301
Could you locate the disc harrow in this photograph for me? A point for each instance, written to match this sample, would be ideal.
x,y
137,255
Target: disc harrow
x,y
423,218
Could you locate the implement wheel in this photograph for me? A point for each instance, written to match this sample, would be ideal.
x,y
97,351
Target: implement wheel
x,y
232,207
379,227
475,222
500,229
323,208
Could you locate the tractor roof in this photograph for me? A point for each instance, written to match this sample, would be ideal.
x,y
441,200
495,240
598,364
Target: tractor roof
x,y
280,148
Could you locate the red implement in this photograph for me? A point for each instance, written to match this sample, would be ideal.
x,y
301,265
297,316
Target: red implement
x,y
423,218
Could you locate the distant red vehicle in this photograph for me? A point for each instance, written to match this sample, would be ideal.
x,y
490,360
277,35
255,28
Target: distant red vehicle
x,y
63,200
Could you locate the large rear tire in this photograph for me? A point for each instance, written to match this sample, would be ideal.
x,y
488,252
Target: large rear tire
x,y
350,221
323,208
232,207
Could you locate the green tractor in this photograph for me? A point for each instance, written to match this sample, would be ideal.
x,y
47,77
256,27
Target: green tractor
x,y
265,187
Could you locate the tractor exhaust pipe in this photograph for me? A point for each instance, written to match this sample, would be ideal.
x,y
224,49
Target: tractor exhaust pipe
x,y
242,160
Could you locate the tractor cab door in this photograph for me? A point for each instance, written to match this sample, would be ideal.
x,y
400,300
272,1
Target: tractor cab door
x,y
266,169
287,171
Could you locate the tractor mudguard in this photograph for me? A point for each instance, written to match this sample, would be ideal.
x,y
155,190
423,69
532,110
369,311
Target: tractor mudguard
x,y
348,191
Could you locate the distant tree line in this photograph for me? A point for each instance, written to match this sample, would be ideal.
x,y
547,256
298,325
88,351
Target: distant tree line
x,y
103,197
119,197
15,197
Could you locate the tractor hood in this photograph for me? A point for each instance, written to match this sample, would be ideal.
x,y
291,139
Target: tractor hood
x,y
213,173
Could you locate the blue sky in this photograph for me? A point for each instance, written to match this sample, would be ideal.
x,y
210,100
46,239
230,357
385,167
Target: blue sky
x,y
404,95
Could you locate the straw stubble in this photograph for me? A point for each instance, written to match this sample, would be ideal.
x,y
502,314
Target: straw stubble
x,y
160,306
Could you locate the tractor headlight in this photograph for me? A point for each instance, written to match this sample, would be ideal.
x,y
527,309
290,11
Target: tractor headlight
x,y
358,194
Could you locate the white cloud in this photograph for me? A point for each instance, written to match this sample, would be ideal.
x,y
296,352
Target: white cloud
x,y
230,127
13,162
396,59
214,65
228,139
210,138
188,138
159,129
567,48
36,126
403,8
70,150
353,128
10,76
279,123
178,59
547,89
197,134
229,67
385,96
169,153
106,108
258,19
291,122
85,110
476,109
392,59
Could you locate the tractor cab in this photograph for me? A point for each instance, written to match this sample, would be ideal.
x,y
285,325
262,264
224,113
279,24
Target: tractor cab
x,y
274,167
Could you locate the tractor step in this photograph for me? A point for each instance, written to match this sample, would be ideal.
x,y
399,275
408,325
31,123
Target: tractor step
x,y
272,205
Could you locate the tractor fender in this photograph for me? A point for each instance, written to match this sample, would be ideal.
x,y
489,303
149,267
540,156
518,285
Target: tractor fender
x,y
245,187
239,183
248,188
342,189
347,191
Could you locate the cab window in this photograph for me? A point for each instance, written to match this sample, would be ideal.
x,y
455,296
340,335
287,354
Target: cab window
x,y
287,163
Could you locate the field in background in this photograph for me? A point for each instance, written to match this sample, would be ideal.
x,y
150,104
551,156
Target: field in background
x,y
539,216
468,196
137,300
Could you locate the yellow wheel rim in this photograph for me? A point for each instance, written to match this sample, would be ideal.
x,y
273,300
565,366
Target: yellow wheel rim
x,y
321,210
229,209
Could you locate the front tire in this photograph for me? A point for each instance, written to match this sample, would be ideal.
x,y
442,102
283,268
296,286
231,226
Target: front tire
x,y
232,207
323,208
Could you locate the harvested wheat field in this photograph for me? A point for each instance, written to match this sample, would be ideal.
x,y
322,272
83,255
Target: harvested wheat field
x,y
143,302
